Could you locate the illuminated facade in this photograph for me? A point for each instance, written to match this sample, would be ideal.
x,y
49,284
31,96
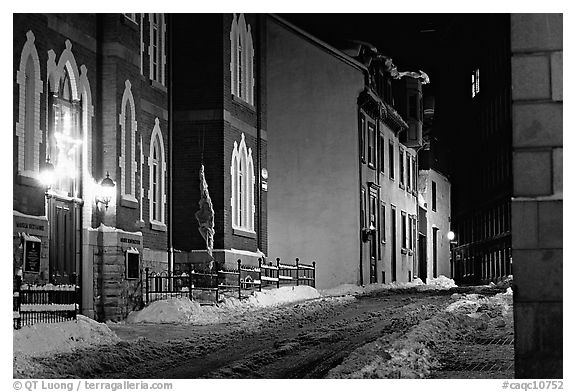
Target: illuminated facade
x,y
85,118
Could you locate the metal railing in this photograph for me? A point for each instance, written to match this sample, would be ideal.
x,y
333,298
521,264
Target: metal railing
x,y
45,303
207,287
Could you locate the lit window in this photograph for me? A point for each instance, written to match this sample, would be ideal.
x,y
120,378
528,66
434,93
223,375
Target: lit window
x,y
156,49
475,82
242,60
242,173
127,159
157,167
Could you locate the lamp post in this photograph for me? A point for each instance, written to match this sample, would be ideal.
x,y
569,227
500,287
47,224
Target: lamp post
x,y
452,238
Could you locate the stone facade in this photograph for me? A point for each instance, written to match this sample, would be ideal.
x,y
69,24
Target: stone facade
x,y
536,45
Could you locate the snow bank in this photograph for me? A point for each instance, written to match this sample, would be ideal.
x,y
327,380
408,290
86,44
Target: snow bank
x,y
412,355
185,311
440,283
42,338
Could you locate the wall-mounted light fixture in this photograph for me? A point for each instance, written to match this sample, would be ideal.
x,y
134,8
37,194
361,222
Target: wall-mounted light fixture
x,y
106,191
367,232
47,176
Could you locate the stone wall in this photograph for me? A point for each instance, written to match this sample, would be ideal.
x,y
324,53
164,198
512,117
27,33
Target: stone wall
x,y
536,45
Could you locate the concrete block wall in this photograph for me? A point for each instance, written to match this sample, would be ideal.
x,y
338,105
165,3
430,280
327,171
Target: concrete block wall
x,y
536,45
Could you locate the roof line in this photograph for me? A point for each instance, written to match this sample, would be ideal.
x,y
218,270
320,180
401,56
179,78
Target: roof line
x,y
330,49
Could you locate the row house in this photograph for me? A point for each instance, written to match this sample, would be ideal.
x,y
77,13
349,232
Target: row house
x,y
342,159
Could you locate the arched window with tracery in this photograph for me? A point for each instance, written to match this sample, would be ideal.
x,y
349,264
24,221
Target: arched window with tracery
x,y
128,131
157,190
28,126
242,177
242,60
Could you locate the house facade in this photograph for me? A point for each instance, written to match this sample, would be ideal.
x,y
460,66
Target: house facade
x,y
90,104
342,161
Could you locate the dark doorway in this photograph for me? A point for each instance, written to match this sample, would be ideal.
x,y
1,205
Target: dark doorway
x,y
422,257
62,264
435,252
394,241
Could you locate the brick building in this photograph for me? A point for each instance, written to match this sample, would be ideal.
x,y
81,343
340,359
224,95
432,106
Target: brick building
x,y
219,111
90,103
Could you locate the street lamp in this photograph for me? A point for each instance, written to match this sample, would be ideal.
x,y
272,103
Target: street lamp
x,y
453,242
106,190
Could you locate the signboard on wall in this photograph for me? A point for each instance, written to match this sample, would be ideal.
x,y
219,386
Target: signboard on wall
x,y
32,247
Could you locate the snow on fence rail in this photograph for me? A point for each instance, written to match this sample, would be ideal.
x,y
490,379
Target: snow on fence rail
x,y
47,303
206,287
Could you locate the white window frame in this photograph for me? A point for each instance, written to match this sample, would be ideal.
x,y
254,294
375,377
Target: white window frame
x,y
26,146
157,139
242,60
242,178
158,56
131,167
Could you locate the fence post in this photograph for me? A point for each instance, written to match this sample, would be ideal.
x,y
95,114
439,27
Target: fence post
x,y
147,288
239,280
314,274
260,273
278,272
297,271
190,281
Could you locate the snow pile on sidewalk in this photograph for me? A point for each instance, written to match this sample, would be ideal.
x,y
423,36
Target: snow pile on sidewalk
x,y
440,283
185,311
412,355
42,338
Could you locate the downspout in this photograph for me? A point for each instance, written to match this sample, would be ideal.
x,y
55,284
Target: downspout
x,y
170,149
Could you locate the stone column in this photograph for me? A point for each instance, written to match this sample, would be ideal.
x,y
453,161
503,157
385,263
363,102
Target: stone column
x,y
536,46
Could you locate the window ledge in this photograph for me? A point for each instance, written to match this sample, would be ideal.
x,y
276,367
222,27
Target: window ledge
x,y
158,226
244,233
128,201
241,102
158,86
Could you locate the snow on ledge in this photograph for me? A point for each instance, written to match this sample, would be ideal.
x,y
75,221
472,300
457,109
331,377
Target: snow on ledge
x,y
20,214
109,229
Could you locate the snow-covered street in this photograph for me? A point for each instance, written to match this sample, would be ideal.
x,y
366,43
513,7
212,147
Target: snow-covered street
x,y
414,331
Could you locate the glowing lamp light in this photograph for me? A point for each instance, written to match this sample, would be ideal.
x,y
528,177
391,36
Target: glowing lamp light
x,y
47,175
107,191
451,235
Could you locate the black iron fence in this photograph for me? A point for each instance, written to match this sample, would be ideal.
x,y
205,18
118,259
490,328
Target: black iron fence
x,y
207,287
45,303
